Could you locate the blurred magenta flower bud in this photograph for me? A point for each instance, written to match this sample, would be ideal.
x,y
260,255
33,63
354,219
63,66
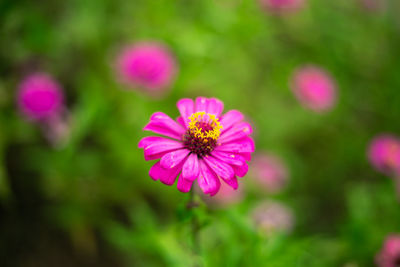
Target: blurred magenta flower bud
x,y
271,217
389,256
269,173
384,154
281,6
373,5
314,88
40,97
41,100
147,65
225,197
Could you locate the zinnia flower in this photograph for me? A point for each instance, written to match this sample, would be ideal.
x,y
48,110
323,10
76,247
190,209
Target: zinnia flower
x,y
279,6
147,65
272,217
201,144
269,172
40,97
384,154
389,256
314,88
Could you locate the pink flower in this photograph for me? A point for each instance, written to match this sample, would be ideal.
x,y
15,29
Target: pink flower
x,y
270,173
147,65
226,196
384,154
389,256
272,217
279,6
314,88
373,5
40,97
202,144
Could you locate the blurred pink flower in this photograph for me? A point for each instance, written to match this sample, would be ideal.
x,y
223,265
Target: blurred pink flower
x,y
57,129
147,65
278,6
269,172
272,217
225,197
202,145
373,5
384,154
40,97
389,256
314,88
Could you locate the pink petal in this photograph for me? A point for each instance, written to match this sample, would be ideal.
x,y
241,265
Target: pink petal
x,y
215,106
155,171
181,121
232,183
162,124
230,118
158,149
172,159
191,169
201,104
154,156
246,156
229,158
184,185
186,108
150,139
241,171
238,131
207,180
245,145
220,168
168,177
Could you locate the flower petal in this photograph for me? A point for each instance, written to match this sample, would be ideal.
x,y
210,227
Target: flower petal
x,y
168,177
181,121
186,108
232,183
172,159
162,124
155,171
215,106
201,104
145,141
241,171
184,185
230,158
230,118
208,181
220,168
245,145
246,156
238,131
157,149
191,168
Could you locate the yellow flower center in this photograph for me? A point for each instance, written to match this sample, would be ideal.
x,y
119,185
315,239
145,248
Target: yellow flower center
x,y
204,126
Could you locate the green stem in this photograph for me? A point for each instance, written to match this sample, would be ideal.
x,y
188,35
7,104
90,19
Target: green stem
x,y
194,224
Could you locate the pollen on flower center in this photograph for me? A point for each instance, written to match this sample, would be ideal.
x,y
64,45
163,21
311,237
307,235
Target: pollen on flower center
x,y
202,134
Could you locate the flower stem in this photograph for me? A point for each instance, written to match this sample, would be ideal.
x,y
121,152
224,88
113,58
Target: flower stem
x,y
194,223
397,186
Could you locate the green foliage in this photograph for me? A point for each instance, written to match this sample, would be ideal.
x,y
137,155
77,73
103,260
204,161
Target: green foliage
x,y
91,201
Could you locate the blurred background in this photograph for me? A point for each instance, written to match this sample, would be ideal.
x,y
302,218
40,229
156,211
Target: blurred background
x,y
88,200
